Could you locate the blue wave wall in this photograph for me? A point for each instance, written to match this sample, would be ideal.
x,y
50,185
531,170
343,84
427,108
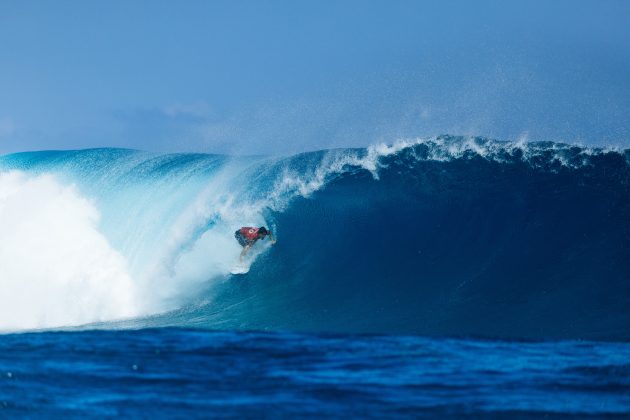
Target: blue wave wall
x,y
449,236
469,246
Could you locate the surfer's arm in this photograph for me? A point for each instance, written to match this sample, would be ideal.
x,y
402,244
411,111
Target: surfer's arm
x,y
271,238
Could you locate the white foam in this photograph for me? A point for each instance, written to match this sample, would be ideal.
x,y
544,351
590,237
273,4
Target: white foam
x,y
56,269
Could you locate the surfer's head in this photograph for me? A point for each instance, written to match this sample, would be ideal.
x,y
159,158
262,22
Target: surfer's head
x,y
262,231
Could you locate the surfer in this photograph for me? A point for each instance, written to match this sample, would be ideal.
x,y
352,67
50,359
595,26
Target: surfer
x,y
247,237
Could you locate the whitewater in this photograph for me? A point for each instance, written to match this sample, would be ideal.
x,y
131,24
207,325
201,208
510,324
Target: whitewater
x,y
438,236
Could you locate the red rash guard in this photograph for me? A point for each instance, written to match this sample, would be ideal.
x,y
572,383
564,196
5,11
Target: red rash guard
x,y
250,233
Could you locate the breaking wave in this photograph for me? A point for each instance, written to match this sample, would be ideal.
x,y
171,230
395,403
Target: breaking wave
x,y
447,235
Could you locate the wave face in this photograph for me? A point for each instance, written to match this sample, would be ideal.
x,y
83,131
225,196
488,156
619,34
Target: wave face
x,y
442,236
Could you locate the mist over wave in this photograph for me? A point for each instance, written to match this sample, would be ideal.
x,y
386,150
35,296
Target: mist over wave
x,y
446,235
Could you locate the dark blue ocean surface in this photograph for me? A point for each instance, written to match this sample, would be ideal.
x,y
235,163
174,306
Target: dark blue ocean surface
x,y
180,373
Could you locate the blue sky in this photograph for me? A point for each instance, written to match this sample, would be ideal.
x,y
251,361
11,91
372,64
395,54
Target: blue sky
x,y
288,76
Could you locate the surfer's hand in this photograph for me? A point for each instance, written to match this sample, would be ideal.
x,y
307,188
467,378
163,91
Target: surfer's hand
x,y
273,241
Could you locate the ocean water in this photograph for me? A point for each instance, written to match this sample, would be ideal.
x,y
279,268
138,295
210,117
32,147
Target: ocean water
x,y
196,373
117,297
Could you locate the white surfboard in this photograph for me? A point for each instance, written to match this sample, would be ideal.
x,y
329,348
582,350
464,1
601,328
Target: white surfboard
x,y
240,269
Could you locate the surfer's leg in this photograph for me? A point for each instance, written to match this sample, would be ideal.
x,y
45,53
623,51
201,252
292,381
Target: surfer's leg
x,y
244,251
